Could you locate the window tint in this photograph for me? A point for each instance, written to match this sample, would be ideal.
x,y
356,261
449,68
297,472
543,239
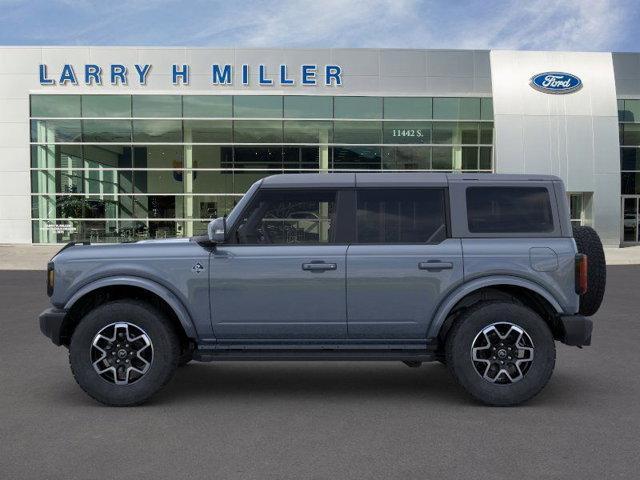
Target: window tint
x,y
401,216
289,217
509,210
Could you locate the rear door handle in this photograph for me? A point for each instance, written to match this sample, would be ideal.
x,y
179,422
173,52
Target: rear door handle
x,y
435,265
319,266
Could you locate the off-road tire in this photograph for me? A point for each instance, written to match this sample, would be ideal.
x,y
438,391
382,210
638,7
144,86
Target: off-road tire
x,y
166,352
459,360
588,242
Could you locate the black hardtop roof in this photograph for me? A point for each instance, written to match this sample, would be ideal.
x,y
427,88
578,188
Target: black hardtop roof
x,y
395,179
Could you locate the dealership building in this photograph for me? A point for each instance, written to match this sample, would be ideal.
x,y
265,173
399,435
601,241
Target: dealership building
x,y
119,144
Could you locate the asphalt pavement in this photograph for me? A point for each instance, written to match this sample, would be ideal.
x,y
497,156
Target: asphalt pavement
x,y
343,420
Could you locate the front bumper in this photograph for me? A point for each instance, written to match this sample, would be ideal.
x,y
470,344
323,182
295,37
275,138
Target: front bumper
x,y
51,324
576,330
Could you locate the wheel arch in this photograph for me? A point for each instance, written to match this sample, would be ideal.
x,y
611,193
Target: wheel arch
x,y
499,287
120,287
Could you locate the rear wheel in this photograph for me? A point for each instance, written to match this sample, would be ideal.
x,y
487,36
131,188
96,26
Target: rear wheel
x,y
502,353
123,352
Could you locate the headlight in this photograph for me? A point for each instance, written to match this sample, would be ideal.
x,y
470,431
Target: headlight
x,y
51,278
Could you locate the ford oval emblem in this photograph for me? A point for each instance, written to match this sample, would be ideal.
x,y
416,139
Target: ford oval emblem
x,y
556,82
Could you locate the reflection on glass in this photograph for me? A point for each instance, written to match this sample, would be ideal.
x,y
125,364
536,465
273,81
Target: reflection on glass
x,y
207,131
407,132
109,131
168,106
257,106
408,107
357,132
357,107
356,158
157,131
308,131
55,105
105,106
210,106
406,158
257,131
49,131
299,106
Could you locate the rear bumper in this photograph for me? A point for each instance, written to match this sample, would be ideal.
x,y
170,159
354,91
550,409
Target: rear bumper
x,y
51,324
576,330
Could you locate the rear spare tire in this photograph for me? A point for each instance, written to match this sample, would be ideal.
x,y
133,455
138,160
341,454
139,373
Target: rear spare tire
x,y
588,243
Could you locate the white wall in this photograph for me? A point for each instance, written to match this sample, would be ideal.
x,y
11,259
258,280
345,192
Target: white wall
x,y
573,136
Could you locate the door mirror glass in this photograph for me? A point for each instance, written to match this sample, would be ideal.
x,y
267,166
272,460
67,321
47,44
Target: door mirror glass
x,y
218,230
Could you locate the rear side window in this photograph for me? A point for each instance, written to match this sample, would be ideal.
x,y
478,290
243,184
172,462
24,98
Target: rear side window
x,y
401,216
509,210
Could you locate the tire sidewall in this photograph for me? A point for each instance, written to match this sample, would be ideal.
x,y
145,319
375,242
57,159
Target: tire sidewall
x,y
165,352
460,362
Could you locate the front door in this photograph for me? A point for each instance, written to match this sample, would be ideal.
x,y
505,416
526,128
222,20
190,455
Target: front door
x,y
282,276
401,264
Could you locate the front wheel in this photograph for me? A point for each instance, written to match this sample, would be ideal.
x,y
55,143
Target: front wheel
x,y
123,352
502,353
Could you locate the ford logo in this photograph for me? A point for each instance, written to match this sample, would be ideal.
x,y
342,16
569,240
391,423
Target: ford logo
x,y
556,82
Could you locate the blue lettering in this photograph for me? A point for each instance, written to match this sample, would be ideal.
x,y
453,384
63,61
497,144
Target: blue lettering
x,y
263,80
68,75
283,76
92,74
245,74
332,75
308,74
118,74
221,76
183,74
143,71
44,80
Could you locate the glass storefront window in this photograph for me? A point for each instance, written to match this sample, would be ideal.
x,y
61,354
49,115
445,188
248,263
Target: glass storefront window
x,y
49,131
630,158
456,108
55,105
357,132
299,131
105,106
208,131
630,134
357,107
257,106
56,156
406,158
169,131
108,156
357,158
298,106
408,107
149,106
209,106
108,131
486,108
257,131
442,158
407,132
127,167
631,111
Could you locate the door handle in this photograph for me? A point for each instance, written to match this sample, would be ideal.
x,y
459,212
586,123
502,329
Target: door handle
x,y
319,266
435,265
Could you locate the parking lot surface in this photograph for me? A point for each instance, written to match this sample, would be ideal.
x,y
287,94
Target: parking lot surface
x,y
320,420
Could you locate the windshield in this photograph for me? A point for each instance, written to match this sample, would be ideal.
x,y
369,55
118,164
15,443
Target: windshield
x,y
235,212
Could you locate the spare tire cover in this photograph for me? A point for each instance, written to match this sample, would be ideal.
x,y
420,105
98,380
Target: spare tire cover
x,y
588,242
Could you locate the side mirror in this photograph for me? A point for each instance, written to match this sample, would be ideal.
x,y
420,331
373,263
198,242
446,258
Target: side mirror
x,y
217,230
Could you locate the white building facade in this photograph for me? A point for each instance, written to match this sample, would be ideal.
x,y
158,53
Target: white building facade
x,y
118,144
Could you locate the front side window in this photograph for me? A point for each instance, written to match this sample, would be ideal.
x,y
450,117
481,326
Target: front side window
x,y
509,210
401,216
281,217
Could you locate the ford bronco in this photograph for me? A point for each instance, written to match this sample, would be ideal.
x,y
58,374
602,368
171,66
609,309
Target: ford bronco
x,y
482,273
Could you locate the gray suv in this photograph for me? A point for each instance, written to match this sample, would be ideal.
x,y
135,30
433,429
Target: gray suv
x,y
482,273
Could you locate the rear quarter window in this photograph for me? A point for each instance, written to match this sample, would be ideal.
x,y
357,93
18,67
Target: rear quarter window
x,y
509,210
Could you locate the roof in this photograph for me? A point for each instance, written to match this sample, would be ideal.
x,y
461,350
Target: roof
x,y
408,179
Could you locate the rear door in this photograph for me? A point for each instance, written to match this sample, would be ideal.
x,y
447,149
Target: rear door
x,y
401,263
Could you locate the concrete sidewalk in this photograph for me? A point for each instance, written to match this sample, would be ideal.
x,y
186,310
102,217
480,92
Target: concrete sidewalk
x,y
35,257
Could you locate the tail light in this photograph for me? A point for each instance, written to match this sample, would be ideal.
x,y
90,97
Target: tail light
x,y
51,278
581,274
